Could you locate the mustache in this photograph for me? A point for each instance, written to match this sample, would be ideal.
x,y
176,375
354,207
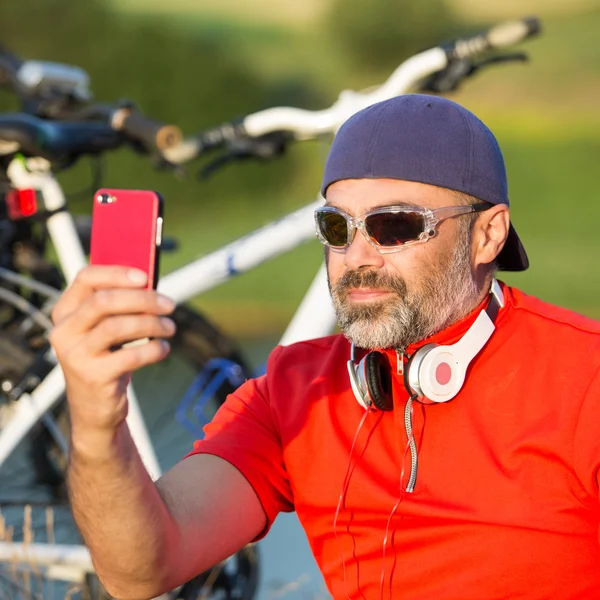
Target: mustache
x,y
370,279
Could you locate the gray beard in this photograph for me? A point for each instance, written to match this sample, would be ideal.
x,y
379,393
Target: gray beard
x,y
447,292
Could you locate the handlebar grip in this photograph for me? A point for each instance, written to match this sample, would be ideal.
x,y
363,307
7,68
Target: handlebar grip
x,y
513,32
150,132
499,36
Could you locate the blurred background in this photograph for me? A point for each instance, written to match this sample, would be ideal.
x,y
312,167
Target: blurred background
x,y
197,63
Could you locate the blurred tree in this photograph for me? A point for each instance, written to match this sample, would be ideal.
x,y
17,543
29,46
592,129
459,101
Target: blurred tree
x,y
379,34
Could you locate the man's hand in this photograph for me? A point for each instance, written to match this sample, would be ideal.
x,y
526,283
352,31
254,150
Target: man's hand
x,y
102,309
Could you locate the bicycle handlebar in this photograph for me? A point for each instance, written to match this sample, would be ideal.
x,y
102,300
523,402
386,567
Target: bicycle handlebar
x,y
304,124
60,92
513,32
502,35
133,124
57,140
312,124
95,130
150,132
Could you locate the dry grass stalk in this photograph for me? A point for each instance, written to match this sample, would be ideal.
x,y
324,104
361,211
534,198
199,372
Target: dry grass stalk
x,y
6,533
21,574
27,539
50,524
74,590
34,566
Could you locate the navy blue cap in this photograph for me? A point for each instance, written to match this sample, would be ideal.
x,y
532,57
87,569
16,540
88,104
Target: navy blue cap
x,y
428,139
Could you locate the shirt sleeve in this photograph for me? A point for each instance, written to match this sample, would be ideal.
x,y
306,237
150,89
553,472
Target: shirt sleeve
x,y
587,439
244,433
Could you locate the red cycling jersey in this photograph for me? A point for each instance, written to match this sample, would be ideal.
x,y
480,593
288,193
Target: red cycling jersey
x,y
506,497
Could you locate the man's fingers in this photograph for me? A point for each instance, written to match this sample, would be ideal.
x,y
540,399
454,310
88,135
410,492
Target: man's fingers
x,y
107,303
114,331
131,358
103,372
93,278
103,305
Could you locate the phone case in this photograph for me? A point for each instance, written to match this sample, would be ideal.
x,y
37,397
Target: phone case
x,y
127,230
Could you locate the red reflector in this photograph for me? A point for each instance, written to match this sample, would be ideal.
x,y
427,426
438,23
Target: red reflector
x,y
21,203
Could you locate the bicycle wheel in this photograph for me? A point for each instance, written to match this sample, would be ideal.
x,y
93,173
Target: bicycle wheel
x,y
236,577
177,397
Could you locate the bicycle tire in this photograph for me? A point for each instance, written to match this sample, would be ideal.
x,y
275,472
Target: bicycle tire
x,y
242,586
159,389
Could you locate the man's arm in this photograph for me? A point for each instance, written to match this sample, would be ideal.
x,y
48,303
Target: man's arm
x,y
147,538
144,538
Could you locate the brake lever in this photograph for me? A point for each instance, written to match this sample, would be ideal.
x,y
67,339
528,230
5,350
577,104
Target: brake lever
x,y
501,58
448,79
214,165
262,148
159,162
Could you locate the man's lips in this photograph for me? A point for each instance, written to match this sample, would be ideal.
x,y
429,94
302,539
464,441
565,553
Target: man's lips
x,y
367,294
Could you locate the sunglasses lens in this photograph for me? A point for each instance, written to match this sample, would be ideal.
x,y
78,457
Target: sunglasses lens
x,y
333,228
394,229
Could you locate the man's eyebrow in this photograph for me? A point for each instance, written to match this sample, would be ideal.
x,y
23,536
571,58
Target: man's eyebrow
x,y
399,203
387,204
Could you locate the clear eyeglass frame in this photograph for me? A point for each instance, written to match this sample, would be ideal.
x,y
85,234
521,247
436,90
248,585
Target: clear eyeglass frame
x,y
431,219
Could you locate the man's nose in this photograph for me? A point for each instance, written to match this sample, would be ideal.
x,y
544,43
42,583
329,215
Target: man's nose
x,y
361,253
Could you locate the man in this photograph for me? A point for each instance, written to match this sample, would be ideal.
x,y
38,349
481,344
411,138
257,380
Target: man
x,y
440,489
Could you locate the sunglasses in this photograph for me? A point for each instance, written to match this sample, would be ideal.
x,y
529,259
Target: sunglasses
x,y
389,228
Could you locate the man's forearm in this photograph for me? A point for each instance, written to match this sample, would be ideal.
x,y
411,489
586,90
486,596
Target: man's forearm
x,y
122,517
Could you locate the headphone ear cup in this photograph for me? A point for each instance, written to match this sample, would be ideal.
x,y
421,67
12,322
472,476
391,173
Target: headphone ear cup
x,y
434,374
379,380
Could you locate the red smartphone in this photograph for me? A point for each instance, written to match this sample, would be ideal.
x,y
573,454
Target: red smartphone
x,y
127,230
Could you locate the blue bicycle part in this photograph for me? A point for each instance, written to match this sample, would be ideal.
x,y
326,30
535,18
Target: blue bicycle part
x,y
213,375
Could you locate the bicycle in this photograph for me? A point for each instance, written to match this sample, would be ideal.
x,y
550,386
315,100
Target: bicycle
x,y
47,92
203,359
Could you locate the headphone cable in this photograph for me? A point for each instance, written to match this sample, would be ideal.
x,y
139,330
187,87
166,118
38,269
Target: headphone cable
x,y
410,443
342,498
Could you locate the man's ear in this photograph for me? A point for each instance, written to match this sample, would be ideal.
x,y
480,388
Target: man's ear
x,y
489,234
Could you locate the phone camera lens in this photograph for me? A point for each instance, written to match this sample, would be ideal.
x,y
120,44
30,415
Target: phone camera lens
x,y
105,199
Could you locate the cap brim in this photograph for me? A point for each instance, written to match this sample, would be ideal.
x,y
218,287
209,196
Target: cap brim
x,y
513,256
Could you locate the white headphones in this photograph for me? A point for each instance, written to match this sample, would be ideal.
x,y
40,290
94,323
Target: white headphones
x,y
434,373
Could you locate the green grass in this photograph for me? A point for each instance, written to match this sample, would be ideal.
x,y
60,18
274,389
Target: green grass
x,y
556,210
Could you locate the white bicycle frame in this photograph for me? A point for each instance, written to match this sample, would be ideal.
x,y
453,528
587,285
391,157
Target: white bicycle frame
x,y
313,318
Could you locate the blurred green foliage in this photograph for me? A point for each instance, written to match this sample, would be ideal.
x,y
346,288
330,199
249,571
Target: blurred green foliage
x,y
376,32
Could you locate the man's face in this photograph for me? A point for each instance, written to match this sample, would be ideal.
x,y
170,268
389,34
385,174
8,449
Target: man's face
x,y
397,299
